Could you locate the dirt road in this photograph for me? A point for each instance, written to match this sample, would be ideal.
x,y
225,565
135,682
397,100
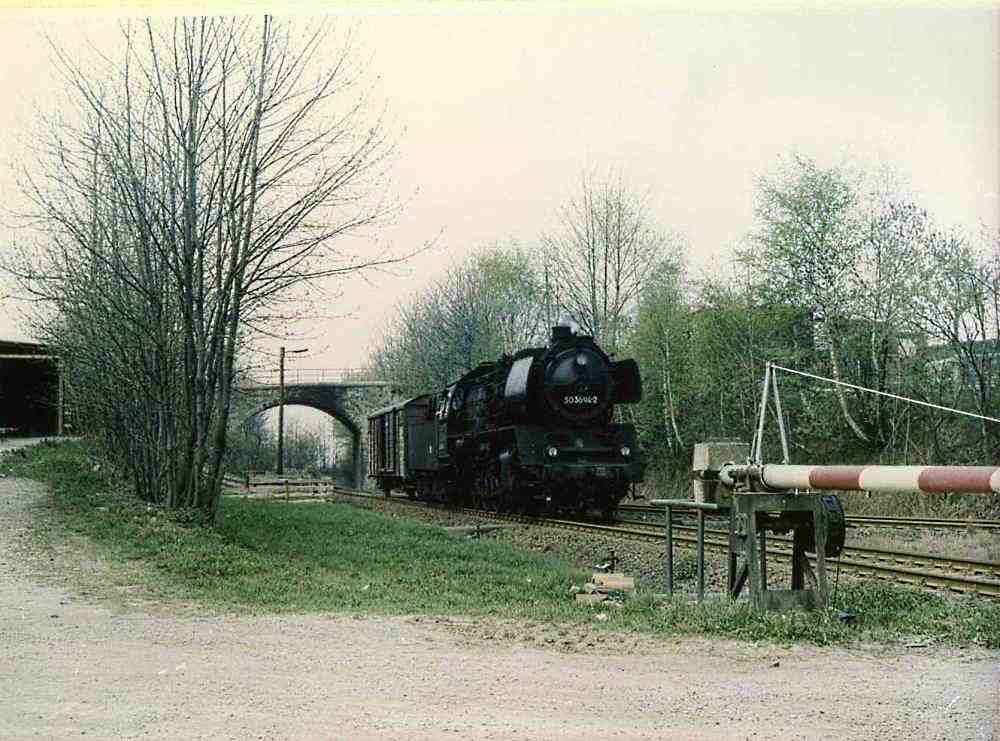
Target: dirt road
x,y
72,666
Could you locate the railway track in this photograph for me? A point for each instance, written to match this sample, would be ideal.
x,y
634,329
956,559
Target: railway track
x,y
904,559
920,570
925,571
649,512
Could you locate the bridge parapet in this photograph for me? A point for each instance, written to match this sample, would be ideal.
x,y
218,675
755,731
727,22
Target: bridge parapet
x,y
316,377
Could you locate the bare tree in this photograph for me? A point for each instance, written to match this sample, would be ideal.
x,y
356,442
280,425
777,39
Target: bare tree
x,y
884,283
512,298
960,308
484,307
194,181
600,254
805,250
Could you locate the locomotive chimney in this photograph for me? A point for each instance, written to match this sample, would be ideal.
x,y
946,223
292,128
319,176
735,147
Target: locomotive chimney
x,y
561,332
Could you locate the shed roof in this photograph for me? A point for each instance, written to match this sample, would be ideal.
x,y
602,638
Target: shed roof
x,y
18,348
397,406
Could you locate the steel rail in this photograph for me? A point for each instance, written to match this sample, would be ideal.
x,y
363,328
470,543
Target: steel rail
x,y
906,575
921,522
989,569
862,520
904,559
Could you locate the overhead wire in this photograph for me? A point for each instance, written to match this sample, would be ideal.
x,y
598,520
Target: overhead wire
x,y
886,394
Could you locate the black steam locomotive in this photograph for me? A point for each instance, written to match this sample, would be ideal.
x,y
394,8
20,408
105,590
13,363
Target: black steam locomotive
x,y
526,433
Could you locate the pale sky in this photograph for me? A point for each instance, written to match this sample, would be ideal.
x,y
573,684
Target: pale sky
x,y
502,108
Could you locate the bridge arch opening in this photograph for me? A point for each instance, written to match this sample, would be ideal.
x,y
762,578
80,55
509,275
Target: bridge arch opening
x,y
345,399
311,441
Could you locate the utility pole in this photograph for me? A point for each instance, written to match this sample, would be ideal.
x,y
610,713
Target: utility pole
x,y
281,411
281,407
61,370
548,297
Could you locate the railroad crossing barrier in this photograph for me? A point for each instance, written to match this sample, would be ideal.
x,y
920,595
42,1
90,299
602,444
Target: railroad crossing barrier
x,y
762,498
880,479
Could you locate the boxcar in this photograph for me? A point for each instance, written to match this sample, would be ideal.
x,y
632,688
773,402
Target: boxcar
x,y
402,444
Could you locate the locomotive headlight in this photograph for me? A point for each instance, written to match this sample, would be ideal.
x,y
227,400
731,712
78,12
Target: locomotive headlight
x,y
553,452
626,451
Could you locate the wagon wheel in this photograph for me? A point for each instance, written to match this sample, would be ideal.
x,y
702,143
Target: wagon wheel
x,y
480,493
492,491
476,498
484,490
439,491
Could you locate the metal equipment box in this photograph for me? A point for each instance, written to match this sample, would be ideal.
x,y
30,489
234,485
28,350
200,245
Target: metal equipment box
x,y
708,458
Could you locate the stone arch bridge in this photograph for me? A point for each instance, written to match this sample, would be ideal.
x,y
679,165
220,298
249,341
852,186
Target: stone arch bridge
x,y
347,395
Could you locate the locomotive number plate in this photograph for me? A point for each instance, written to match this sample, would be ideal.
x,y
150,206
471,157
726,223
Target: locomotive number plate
x,y
577,400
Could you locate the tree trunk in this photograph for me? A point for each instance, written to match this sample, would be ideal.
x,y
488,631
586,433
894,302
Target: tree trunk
x,y
839,390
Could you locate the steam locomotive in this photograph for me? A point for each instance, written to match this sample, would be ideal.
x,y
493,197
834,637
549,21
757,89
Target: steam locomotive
x,y
527,433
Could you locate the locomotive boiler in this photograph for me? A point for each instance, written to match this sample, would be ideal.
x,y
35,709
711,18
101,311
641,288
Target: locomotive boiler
x,y
530,432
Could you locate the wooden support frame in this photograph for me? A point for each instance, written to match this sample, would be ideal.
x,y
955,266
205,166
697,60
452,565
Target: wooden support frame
x,y
751,517
754,515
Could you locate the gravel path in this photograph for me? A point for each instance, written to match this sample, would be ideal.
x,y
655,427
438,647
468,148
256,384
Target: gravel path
x,y
72,666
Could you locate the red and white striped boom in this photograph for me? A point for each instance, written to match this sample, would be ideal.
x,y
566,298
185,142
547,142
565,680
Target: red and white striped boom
x,y
931,479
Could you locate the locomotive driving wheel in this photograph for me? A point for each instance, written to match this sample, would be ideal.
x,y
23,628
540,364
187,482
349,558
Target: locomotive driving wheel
x,y
487,493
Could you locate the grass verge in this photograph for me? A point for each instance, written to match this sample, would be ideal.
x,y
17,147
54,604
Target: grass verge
x,y
274,557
